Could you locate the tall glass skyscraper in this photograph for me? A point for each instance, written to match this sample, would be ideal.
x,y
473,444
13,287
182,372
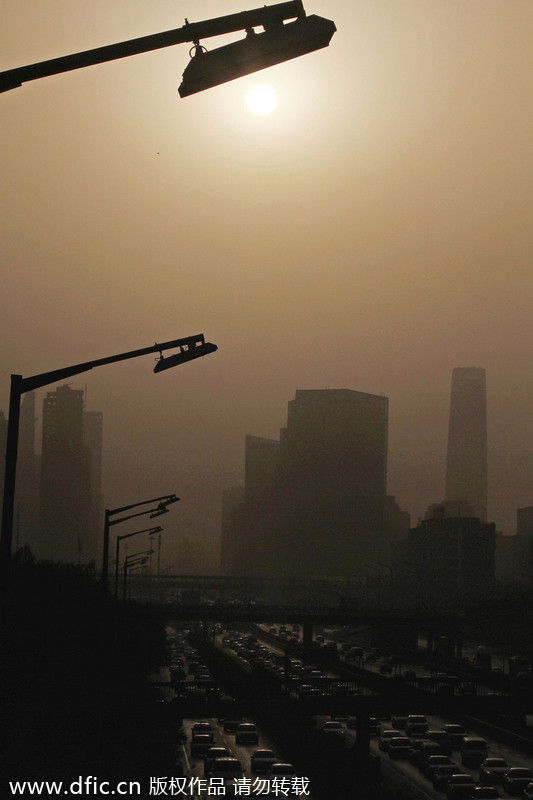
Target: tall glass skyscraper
x,y
466,465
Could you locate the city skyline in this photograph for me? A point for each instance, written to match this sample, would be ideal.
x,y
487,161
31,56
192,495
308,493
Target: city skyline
x,y
373,232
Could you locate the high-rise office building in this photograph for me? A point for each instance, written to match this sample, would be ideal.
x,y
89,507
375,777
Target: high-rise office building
x,y
331,482
65,519
466,465
314,503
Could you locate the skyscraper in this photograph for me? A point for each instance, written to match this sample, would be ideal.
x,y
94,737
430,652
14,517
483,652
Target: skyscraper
x,y
65,480
315,502
466,465
332,481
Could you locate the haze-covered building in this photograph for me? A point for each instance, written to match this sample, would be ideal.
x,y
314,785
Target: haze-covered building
x,y
446,559
466,464
315,503
66,533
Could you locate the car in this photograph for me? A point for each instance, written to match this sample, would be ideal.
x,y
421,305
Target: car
x,y
246,733
484,793
414,751
202,727
200,744
527,794
399,721
492,770
351,723
385,669
427,749
385,738
432,762
474,751
456,733
459,786
262,760
516,779
416,725
399,747
231,724
227,768
442,774
442,738
332,729
281,770
212,754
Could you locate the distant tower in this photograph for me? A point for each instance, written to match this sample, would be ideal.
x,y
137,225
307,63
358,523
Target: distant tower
x,y
466,466
65,484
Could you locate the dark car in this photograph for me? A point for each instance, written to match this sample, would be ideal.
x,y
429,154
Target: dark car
x,y
431,764
332,729
227,768
484,793
442,738
492,770
262,760
211,755
459,786
441,776
399,721
426,750
415,749
474,751
246,733
416,725
386,737
202,727
200,744
527,794
231,724
516,779
456,734
399,747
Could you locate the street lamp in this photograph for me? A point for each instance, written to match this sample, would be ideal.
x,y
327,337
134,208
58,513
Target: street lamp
x,y
279,41
164,501
136,559
191,346
149,531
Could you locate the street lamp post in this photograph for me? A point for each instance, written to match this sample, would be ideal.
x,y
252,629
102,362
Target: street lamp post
x,y
279,41
149,531
140,558
164,501
190,347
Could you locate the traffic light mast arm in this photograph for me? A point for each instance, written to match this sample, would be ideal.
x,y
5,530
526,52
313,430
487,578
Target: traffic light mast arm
x,y
190,32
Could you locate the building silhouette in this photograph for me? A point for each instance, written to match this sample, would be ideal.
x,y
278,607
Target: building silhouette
x,y
315,503
444,560
66,533
466,464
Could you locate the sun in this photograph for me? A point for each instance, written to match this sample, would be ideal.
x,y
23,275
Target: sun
x,y
261,100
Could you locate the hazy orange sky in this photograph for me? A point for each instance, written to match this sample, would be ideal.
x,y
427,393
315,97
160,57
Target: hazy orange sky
x,y
372,233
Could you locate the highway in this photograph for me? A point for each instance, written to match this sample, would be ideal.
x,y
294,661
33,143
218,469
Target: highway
x,y
396,774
